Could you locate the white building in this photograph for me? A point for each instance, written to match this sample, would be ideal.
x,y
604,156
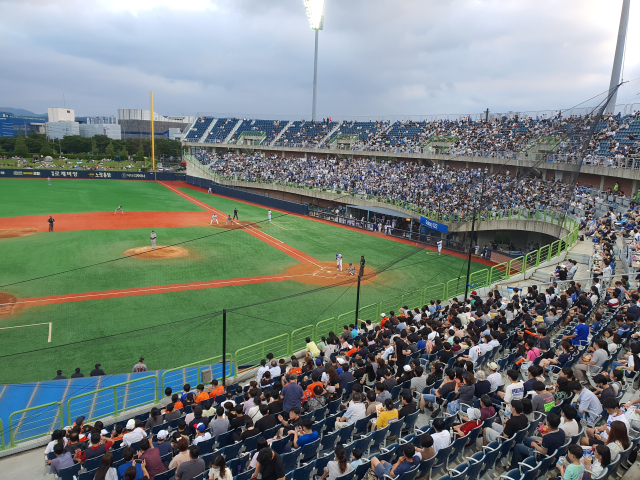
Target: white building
x,y
137,114
56,130
111,130
57,114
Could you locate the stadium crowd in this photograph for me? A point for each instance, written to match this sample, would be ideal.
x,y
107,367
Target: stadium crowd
x,y
437,188
615,141
535,376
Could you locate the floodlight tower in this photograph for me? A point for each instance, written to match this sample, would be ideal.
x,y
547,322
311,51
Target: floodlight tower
x,y
619,56
315,14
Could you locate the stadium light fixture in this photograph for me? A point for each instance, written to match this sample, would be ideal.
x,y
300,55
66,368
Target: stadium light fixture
x,y
315,14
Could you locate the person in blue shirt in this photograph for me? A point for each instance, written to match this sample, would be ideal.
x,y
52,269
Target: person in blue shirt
x,y
304,434
127,455
580,333
422,343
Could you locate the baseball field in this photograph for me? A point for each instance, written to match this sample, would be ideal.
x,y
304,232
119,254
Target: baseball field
x,y
92,291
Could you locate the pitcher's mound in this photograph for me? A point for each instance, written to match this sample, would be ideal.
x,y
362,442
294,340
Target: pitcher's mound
x,y
235,225
159,252
325,273
17,232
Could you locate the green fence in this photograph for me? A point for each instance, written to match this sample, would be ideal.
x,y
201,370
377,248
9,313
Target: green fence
x,y
298,338
323,327
33,422
370,312
435,292
192,373
478,279
252,354
497,273
456,286
413,299
112,400
390,304
345,319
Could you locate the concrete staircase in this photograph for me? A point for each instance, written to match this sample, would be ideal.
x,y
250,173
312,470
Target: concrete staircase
x,y
281,133
206,132
233,130
333,130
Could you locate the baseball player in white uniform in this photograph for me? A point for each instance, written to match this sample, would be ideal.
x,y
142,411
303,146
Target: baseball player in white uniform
x,y
119,209
214,218
153,237
49,180
269,214
439,247
338,262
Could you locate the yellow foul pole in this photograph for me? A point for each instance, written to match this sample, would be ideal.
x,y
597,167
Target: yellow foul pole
x,y
153,141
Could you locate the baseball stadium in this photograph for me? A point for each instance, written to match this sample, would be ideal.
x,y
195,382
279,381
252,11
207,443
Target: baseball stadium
x,y
451,296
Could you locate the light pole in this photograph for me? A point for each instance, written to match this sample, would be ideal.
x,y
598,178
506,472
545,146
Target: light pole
x,y
315,14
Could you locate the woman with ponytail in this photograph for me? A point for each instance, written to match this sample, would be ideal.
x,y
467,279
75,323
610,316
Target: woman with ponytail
x,y
338,467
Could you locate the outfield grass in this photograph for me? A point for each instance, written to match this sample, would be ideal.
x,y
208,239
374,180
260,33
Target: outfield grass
x,y
20,196
172,329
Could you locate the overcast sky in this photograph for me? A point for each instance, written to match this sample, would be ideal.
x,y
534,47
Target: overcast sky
x,y
255,57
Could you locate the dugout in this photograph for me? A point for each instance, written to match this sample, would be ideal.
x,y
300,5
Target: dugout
x,y
378,214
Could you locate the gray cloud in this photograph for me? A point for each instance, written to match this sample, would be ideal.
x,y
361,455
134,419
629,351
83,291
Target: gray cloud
x,y
406,57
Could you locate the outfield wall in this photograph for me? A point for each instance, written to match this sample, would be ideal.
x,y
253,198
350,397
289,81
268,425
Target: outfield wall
x,y
301,209
102,175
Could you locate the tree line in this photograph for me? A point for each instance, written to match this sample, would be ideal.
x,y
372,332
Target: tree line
x,y
37,143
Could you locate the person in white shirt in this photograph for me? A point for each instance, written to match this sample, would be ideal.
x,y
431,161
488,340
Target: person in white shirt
x,y
439,247
388,350
484,345
135,433
515,389
263,368
356,411
495,378
202,434
274,369
601,434
441,437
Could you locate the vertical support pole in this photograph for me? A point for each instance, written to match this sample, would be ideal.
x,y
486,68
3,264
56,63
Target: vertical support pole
x,y
619,56
357,301
153,143
224,347
473,226
315,80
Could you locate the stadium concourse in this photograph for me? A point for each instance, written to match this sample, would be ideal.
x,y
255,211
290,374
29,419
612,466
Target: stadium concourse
x,y
616,137
498,384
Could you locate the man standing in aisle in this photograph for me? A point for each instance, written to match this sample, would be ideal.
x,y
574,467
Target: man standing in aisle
x,y
153,237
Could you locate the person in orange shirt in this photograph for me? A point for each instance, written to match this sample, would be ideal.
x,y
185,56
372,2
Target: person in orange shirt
x,y
295,367
200,394
384,320
315,381
215,389
177,404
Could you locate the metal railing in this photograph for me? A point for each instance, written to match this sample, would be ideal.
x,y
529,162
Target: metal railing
x,y
192,373
114,399
32,426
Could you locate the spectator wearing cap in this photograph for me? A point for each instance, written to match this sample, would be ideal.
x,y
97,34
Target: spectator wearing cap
x,y
140,366
202,434
473,421
162,445
151,458
495,379
134,434
197,418
77,374
97,372
59,376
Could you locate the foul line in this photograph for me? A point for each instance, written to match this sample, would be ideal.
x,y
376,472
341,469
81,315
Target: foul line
x,y
274,242
33,325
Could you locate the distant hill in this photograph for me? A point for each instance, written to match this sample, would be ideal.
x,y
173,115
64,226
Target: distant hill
x,y
22,113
